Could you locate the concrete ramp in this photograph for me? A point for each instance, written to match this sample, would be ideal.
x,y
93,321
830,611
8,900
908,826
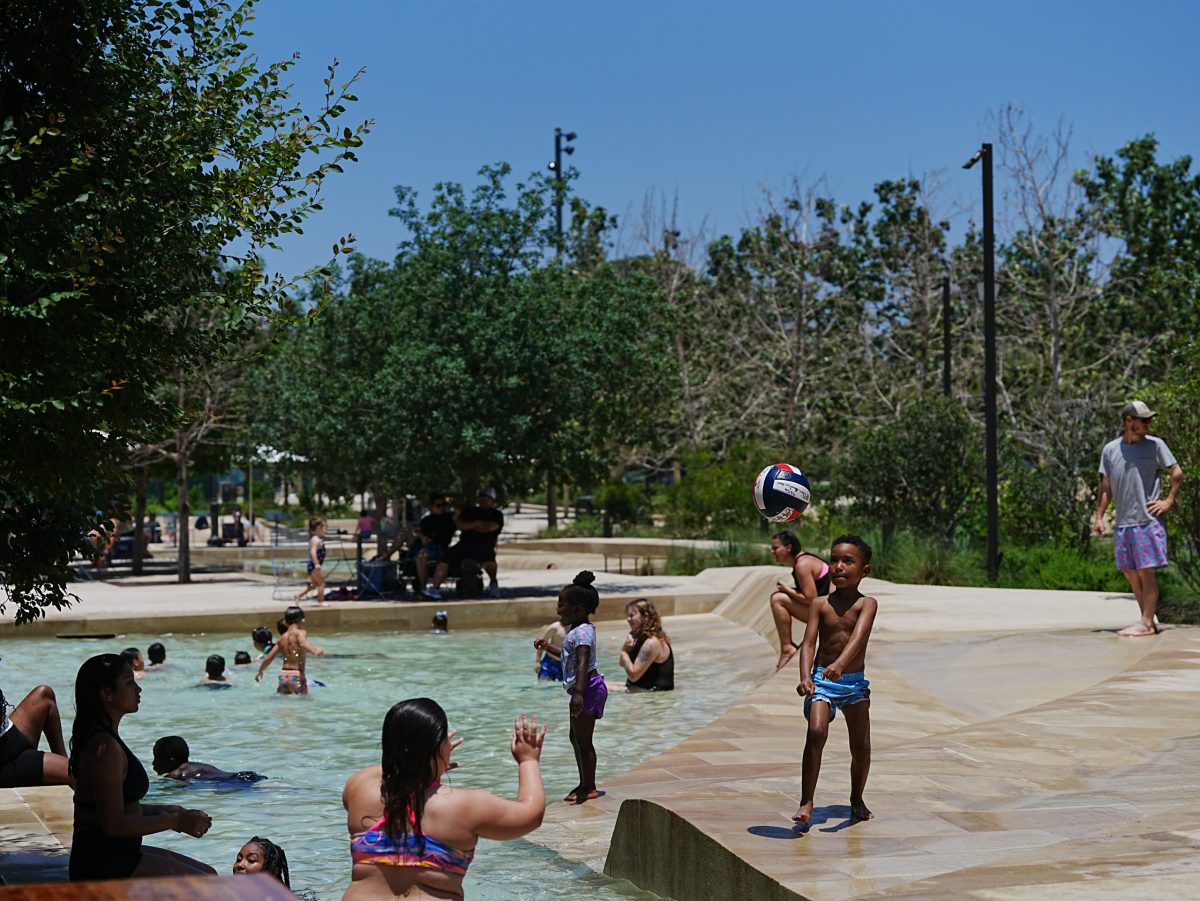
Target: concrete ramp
x,y
1047,759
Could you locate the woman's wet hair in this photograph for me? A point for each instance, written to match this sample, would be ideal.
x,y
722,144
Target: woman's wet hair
x,y
214,666
788,539
262,635
651,626
413,732
582,592
274,859
157,653
241,658
101,671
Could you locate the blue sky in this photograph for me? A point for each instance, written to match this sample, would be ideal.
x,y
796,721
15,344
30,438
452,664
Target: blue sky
x,y
707,103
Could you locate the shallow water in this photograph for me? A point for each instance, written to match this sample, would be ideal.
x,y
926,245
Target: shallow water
x,y
309,746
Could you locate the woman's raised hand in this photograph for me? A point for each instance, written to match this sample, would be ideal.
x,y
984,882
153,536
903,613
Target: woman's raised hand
x,y
526,740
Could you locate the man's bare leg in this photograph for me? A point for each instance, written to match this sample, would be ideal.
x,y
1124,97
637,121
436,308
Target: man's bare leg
x,y
858,725
783,611
1144,583
818,732
422,570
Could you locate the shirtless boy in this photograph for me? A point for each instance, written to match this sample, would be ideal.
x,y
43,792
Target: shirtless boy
x,y
293,644
843,623
172,759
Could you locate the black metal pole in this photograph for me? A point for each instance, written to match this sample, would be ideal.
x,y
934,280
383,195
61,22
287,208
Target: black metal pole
x,y
989,369
946,336
558,193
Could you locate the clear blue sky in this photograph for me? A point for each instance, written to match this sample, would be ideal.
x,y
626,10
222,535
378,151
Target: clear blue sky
x,y
709,102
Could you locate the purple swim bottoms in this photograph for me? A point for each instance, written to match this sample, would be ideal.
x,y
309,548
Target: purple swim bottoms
x,y
1141,547
595,693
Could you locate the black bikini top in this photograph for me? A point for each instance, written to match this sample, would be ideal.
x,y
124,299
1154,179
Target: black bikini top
x,y
136,783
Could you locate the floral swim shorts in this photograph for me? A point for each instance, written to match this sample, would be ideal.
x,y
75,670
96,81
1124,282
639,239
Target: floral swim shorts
x,y
1141,547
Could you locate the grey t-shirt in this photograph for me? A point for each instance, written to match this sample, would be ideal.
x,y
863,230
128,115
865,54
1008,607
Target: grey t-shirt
x,y
1135,472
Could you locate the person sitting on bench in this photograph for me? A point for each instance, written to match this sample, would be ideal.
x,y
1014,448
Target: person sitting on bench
x,y
479,527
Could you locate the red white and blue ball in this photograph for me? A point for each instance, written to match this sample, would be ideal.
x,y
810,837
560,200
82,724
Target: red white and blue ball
x,y
781,492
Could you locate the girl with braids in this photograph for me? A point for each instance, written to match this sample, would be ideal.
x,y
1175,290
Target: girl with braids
x,y
647,656
260,855
411,835
585,685
110,783
810,580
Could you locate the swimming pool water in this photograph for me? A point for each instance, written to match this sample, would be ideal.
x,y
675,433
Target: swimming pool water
x,y
309,746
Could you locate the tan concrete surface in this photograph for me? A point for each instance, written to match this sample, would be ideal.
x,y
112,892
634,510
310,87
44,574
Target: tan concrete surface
x,y
1020,747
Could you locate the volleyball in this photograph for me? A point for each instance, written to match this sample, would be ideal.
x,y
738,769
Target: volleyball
x,y
781,492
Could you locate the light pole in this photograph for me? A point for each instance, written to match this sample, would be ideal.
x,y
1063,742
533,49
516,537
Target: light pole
x,y
989,360
562,144
946,335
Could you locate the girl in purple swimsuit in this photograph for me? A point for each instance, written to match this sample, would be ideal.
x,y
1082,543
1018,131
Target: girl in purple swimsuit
x,y
581,679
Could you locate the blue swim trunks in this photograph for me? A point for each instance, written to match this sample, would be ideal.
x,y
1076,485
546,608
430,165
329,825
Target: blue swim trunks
x,y
850,688
551,669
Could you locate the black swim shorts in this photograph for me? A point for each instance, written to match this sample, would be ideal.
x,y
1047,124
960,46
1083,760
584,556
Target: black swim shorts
x,y
20,762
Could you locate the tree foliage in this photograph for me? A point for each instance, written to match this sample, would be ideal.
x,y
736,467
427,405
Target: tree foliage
x,y
144,152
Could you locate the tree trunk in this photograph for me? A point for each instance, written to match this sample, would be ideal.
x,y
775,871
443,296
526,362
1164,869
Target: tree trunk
x,y
184,526
139,518
551,503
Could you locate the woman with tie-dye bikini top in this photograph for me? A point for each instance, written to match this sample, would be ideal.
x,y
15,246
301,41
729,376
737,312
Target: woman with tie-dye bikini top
x,y
412,835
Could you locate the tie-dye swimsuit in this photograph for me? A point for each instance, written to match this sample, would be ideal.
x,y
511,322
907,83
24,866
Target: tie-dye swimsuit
x,y
376,847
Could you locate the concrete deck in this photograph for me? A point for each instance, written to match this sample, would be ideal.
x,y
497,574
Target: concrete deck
x,y
1020,747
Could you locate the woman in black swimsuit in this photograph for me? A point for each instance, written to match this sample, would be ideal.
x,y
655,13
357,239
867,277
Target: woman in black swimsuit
x,y
647,656
110,783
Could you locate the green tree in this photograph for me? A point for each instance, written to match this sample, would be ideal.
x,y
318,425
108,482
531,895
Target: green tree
x,y
145,152
922,471
1153,209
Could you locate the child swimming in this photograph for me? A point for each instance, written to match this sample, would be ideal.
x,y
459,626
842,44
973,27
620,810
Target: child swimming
x,y
214,672
171,755
581,679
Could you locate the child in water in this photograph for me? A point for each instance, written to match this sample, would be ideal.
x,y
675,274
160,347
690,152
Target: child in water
x,y
582,681
548,666
260,855
214,672
171,755
843,624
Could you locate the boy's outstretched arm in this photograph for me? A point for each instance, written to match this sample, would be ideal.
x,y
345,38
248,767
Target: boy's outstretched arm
x,y
808,645
858,638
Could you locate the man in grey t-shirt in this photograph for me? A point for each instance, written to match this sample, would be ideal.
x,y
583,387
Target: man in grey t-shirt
x,y
1131,469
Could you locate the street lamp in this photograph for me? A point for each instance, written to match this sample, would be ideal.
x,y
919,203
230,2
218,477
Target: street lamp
x,y
562,144
984,153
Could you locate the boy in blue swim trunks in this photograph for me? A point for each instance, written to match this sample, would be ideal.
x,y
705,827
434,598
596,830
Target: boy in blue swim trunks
x,y
842,621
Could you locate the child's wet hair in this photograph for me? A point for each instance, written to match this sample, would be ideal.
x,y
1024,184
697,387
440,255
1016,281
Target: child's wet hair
x,y
131,654
863,547
172,747
441,620
214,665
582,592
274,859
262,635
241,658
157,653
281,625
292,615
